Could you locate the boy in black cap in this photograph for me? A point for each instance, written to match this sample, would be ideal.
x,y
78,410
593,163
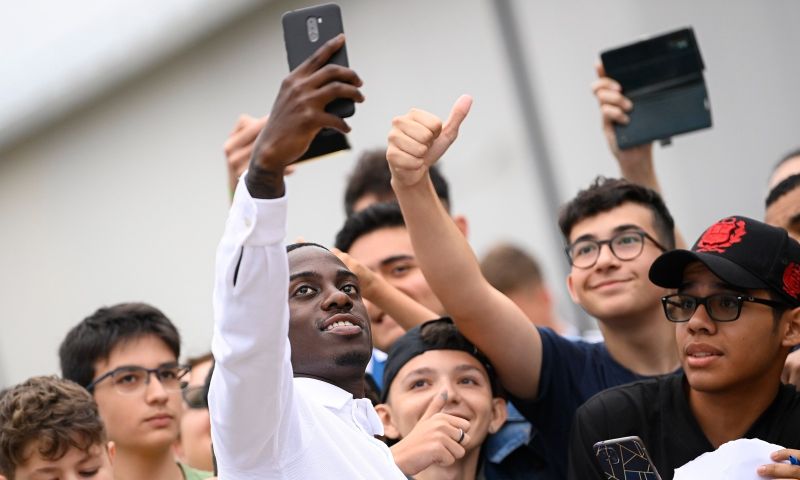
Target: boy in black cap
x,y
441,400
746,276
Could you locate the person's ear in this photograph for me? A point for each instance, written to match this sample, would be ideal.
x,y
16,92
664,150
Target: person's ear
x,y
389,428
462,224
499,414
571,289
111,447
791,335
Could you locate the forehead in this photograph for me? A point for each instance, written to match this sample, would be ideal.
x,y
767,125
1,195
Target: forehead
x,y
603,224
374,247
312,258
146,351
785,211
442,363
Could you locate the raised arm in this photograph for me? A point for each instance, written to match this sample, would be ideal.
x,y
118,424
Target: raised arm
x,y
250,401
635,163
487,317
374,288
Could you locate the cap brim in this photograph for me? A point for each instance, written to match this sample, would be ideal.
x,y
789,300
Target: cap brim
x,y
667,270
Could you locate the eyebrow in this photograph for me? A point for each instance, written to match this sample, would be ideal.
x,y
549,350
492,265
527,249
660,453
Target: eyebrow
x,y
719,285
395,258
344,273
794,219
172,363
427,370
618,229
304,274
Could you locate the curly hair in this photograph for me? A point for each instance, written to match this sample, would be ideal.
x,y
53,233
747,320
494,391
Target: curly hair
x,y
49,413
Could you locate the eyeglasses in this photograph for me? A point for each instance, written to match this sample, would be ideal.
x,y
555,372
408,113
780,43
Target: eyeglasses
x,y
721,307
624,246
132,379
195,397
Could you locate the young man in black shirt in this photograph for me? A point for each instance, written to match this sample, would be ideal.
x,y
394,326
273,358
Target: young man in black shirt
x,y
746,276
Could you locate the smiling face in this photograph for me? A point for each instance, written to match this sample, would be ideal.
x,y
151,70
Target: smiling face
x,y
328,325
146,420
731,356
612,287
469,394
75,464
388,252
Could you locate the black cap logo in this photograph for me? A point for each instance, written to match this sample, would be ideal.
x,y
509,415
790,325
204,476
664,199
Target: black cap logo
x,y
721,235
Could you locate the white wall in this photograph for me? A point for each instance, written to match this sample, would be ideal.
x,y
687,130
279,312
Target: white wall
x,y
125,199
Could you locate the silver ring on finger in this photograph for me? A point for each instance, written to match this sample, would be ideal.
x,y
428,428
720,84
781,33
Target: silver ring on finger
x,y
461,435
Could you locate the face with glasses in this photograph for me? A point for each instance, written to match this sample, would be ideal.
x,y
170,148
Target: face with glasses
x,y
137,390
728,337
610,254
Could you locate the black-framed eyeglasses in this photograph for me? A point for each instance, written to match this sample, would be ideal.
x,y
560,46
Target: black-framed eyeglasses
x,y
625,246
131,379
721,307
195,397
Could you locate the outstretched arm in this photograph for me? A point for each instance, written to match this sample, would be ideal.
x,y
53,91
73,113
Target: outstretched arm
x,y
374,288
635,163
487,317
250,400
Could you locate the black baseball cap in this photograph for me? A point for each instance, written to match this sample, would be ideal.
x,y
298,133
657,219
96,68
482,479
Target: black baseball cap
x,y
743,252
439,334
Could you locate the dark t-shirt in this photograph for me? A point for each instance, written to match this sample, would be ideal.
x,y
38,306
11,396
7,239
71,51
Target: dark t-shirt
x,y
572,372
657,410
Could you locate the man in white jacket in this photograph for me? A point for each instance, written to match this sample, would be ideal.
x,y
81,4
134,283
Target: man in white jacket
x,y
286,397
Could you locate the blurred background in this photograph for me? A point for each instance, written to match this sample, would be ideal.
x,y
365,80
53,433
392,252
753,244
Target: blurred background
x,y
113,114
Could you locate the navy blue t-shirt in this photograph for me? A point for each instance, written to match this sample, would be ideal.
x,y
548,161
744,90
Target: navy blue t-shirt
x,y
572,372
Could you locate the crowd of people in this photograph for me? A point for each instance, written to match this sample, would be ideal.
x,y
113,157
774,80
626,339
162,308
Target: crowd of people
x,y
397,353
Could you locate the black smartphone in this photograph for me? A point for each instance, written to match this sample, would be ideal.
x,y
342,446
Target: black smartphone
x,y
625,458
307,29
663,77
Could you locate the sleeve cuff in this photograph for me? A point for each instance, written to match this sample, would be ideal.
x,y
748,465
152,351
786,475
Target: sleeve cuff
x,y
257,221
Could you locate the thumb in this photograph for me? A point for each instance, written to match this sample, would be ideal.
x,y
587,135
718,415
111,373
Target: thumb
x,y
436,405
600,69
457,115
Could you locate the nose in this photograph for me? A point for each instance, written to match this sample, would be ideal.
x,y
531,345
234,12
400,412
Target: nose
x,y
605,257
154,389
337,300
700,321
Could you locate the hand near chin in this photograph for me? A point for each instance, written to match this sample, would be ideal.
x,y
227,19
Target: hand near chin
x,y
433,440
781,470
418,139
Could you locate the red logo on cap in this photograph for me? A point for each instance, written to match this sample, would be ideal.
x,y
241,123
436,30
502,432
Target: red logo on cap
x,y
791,280
721,235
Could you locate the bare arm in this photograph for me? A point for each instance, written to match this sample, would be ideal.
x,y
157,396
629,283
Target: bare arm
x,y
487,317
402,308
635,163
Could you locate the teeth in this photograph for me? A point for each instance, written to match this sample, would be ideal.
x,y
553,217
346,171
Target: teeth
x,y
702,354
339,324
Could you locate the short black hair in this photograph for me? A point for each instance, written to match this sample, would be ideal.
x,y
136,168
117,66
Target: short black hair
x,y
97,335
785,186
371,175
374,217
295,246
605,194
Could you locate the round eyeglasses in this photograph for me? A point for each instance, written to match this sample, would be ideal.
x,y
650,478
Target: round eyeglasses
x,y
721,307
132,379
624,246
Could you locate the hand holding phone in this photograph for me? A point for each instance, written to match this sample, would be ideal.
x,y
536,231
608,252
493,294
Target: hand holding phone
x,y
306,30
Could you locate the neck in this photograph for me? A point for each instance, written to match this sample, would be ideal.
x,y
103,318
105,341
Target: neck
x,y
135,464
464,469
644,344
728,415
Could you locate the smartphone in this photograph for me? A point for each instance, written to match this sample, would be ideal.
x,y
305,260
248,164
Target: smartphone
x,y
625,459
307,29
663,77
